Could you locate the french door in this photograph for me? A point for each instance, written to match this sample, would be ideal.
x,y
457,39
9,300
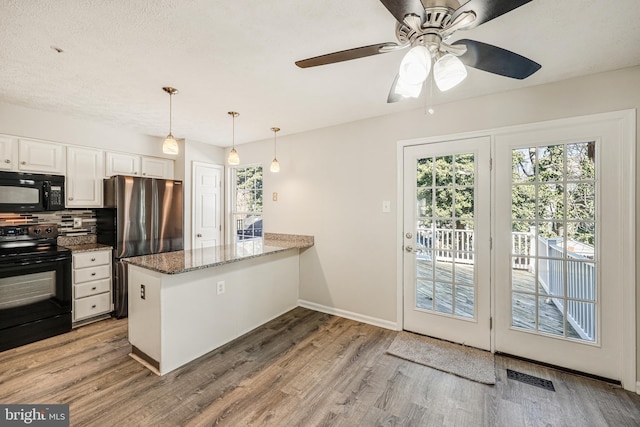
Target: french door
x,y
559,246
542,243
446,240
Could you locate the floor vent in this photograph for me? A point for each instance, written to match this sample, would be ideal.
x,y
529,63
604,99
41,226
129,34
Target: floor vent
x,y
530,379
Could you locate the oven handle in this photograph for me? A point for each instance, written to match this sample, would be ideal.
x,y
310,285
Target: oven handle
x,y
34,261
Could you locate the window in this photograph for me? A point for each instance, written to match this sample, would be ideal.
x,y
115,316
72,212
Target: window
x,y
246,202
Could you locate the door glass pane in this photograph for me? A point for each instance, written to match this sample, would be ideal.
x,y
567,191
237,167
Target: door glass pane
x,y
444,298
424,294
553,277
445,249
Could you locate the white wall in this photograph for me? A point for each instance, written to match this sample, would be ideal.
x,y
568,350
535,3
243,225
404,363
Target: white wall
x,y
53,126
333,181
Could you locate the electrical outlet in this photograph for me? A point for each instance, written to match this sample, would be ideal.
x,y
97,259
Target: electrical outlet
x,y
142,292
77,222
274,196
220,287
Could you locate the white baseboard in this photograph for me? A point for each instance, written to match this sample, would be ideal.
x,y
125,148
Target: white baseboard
x,y
386,324
638,387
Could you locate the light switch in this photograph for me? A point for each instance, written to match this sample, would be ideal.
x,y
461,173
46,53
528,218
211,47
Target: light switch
x,y
386,206
274,196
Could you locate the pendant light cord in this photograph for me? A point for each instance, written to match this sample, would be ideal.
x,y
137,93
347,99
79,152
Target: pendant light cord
x,y
170,119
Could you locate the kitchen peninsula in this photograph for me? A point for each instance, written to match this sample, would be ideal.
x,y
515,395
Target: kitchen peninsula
x,y
184,304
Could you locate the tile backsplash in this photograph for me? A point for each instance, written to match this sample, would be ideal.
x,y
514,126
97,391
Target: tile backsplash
x,y
85,220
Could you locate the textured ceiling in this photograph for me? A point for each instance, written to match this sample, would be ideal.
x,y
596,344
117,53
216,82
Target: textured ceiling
x,y
239,55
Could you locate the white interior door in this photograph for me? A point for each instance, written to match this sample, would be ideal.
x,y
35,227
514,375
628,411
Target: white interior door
x,y
207,205
447,240
561,241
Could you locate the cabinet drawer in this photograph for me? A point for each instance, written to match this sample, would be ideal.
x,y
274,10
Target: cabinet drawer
x,y
92,306
89,259
92,288
90,274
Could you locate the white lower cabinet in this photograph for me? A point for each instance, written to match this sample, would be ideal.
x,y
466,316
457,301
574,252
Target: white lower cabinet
x,y
91,285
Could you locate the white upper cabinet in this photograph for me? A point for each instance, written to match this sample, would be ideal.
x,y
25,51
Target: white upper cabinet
x,y
122,164
153,167
7,153
85,171
41,156
131,164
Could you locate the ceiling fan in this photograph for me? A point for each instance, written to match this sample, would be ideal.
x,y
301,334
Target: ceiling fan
x,y
424,26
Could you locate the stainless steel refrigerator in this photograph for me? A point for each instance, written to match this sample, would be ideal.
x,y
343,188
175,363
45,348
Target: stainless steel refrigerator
x,y
142,216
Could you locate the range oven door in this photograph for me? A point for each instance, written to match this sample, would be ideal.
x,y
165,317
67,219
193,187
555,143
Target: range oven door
x,y
35,299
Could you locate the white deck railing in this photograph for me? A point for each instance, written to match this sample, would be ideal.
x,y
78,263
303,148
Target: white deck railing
x,y
457,246
580,285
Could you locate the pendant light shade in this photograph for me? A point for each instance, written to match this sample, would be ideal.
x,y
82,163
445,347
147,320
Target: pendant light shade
x,y
170,145
234,158
449,72
275,165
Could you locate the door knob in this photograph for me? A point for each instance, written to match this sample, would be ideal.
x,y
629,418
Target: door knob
x,y
408,248
408,235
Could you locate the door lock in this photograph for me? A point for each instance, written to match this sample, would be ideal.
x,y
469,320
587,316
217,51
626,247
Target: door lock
x,y
408,235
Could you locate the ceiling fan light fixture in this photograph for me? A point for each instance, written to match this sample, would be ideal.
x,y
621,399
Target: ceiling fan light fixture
x,y
448,72
407,90
415,65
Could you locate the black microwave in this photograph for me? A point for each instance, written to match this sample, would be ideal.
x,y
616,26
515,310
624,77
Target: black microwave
x,y
30,192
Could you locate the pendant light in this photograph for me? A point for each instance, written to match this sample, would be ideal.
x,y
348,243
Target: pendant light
x,y
275,165
234,158
170,145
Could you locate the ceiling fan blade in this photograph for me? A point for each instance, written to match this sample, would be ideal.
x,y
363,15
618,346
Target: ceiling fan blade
x,y
393,96
486,10
346,55
496,60
401,8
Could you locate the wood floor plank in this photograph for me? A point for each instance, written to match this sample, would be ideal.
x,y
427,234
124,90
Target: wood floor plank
x,y
302,369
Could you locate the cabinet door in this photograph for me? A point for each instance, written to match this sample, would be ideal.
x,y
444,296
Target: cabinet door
x,y
122,164
84,177
41,156
7,162
153,167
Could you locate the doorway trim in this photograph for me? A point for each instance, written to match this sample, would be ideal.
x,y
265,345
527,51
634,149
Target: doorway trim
x,y
627,121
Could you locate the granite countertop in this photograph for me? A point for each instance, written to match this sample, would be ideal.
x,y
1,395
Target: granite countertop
x,y
197,259
87,247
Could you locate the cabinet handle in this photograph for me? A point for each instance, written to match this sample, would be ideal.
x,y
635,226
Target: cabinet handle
x,y
70,199
7,161
135,173
144,173
93,274
93,306
198,235
23,162
93,259
93,289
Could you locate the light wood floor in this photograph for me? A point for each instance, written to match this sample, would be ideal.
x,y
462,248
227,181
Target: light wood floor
x,y
302,369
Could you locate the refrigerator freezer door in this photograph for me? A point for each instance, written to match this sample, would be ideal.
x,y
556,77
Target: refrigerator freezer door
x,y
167,216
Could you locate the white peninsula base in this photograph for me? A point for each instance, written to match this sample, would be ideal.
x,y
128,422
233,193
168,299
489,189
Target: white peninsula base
x,y
175,318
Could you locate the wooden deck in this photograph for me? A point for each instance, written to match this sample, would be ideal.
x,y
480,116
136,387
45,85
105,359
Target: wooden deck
x,y
524,309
